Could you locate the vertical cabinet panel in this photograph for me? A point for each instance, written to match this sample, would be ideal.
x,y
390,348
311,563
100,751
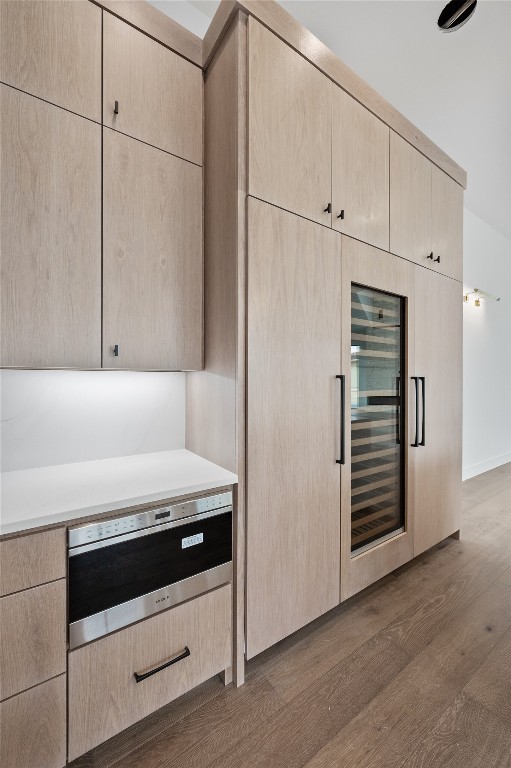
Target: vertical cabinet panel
x,y
159,94
289,144
53,50
360,171
51,235
152,257
33,732
293,481
447,224
377,354
410,202
438,358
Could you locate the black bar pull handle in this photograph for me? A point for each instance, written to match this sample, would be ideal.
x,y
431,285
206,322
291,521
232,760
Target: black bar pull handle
x,y
398,425
341,215
430,257
423,382
342,379
437,260
328,209
116,350
415,444
116,108
179,657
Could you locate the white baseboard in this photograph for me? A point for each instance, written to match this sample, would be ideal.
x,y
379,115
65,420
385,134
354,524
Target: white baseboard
x,y
485,466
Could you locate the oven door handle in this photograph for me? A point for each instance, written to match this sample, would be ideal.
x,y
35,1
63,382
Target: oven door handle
x,y
139,676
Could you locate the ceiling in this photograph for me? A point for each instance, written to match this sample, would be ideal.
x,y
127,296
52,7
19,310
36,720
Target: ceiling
x,y
455,87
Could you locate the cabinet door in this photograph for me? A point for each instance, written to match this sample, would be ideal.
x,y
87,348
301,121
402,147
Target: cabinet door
x,y
289,145
51,235
152,257
447,224
293,481
438,358
377,352
159,94
410,202
53,50
33,732
360,172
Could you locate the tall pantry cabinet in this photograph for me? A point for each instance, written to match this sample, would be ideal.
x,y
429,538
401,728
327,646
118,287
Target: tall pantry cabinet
x,y
323,385
101,204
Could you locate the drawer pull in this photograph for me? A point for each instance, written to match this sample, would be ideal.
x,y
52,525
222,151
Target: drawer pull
x,y
173,660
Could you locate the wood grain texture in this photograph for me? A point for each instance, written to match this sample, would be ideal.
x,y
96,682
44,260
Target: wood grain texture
x,y
152,257
159,94
33,637
293,357
27,561
278,20
101,705
53,50
215,402
51,235
289,128
457,644
33,732
360,171
368,266
438,357
410,202
152,22
447,224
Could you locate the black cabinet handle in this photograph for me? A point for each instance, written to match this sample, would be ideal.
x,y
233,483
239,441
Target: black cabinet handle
x,y
342,379
116,108
423,382
328,209
341,215
437,259
415,444
398,425
116,350
429,257
173,660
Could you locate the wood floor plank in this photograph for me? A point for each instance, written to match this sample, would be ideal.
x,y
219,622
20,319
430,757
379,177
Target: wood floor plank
x,y
491,685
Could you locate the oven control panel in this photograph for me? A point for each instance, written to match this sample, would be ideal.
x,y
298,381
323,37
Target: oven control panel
x,y
119,526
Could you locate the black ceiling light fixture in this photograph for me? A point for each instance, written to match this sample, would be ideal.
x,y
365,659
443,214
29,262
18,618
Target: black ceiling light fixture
x,y
455,14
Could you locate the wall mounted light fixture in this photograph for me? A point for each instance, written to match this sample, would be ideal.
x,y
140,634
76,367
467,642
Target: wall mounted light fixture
x,y
479,294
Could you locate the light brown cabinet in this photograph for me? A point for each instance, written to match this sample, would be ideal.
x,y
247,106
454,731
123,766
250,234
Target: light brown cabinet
x,y
33,732
51,235
438,359
27,561
426,211
53,50
33,638
294,282
152,257
158,94
360,171
104,695
290,132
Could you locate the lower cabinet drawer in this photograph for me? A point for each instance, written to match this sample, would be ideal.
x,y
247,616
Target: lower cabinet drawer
x,y
104,695
32,637
33,727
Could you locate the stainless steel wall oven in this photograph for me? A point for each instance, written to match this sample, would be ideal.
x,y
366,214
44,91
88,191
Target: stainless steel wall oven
x,y
126,568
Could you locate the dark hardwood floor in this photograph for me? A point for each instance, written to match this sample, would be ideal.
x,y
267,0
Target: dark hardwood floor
x,y
415,672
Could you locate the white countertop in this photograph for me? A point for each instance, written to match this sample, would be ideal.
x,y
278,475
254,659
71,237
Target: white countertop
x,y
33,498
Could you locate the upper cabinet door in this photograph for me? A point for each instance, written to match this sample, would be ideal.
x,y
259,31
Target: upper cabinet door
x,y
289,145
53,51
152,257
158,93
360,172
51,235
410,202
447,225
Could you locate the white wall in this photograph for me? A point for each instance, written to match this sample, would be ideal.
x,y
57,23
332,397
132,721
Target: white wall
x,y
486,349
59,417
